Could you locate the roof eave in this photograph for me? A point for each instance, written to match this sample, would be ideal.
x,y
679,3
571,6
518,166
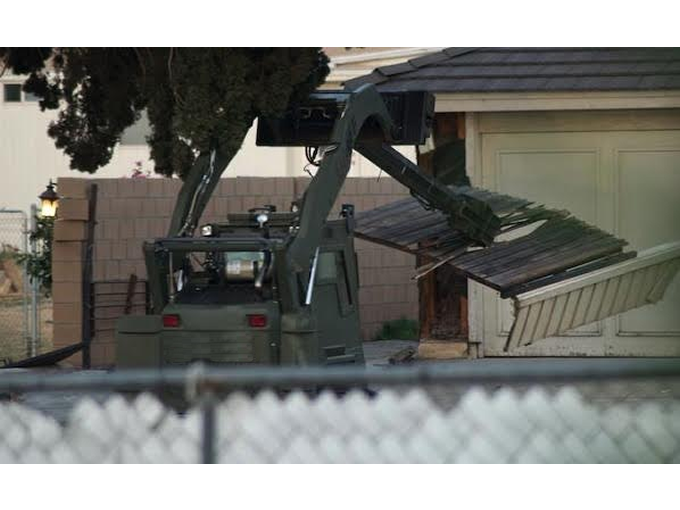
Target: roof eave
x,y
553,100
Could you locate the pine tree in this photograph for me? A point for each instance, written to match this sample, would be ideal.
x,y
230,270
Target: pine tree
x,y
196,99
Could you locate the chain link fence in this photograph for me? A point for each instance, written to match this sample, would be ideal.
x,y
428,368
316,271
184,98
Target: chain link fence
x,y
14,286
25,312
497,416
535,427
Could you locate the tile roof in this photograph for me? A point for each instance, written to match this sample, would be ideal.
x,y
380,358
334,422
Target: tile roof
x,y
531,69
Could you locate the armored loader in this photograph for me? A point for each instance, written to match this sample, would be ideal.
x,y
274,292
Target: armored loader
x,y
223,304
273,287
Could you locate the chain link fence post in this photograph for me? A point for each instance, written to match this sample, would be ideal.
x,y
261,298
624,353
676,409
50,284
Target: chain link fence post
x,y
208,446
35,288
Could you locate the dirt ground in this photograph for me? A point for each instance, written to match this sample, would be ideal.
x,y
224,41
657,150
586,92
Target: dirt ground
x,y
14,333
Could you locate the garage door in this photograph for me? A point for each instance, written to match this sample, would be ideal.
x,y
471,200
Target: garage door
x,y
625,182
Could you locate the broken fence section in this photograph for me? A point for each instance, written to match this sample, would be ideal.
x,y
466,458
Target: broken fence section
x,y
561,275
561,243
555,309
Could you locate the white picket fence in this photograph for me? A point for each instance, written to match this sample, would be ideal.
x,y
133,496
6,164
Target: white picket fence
x,y
389,428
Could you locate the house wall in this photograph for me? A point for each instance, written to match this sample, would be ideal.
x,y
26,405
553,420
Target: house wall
x,y
29,159
619,170
128,211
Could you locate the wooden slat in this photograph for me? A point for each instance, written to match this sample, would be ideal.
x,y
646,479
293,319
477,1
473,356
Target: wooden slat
x,y
406,222
518,328
636,287
547,262
532,323
536,253
544,319
558,246
377,240
446,242
560,261
524,261
583,305
384,217
556,317
506,249
388,224
499,252
598,295
605,308
570,273
419,232
667,273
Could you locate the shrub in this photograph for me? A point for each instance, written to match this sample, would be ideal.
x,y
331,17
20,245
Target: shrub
x,y
399,329
39,264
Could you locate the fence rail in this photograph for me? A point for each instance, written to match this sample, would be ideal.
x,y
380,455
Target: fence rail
x,y
467,372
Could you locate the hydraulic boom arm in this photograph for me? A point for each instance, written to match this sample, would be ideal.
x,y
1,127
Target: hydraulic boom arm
x,y
365,108
340,122
324,188
465,214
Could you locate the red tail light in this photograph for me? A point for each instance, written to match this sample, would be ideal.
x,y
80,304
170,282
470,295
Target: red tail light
x,y
171,321
257,321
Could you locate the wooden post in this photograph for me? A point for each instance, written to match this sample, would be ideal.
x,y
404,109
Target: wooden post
x,y
87,302
130,294
427,290
443,297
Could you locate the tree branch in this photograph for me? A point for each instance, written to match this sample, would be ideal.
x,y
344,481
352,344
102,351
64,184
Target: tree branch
x,y
178,97
142,66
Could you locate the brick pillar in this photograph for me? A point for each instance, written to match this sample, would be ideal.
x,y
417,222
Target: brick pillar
x,y
70,231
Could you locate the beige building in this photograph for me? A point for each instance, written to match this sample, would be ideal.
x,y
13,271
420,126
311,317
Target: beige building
x,y
594,131
28,158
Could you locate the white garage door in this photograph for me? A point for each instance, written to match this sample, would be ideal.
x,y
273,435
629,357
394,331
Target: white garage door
x,y
626,182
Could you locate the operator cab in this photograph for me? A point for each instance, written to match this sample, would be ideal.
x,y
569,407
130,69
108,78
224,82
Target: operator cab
x,y
224,277
229,274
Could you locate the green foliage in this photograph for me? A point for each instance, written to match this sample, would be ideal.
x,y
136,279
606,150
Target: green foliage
x,y
39,264
399,329
8,252
195,98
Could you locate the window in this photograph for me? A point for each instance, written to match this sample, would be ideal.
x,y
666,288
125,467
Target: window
x,y
31,97
326,270
12,93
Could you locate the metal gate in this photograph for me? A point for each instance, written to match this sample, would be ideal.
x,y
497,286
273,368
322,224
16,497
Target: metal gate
x,y
15,291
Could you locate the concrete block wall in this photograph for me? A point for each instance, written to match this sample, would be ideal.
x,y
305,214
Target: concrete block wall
x,y
132,210
70,230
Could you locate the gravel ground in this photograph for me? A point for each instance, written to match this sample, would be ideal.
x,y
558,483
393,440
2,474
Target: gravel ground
x,y
13,331
598,393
